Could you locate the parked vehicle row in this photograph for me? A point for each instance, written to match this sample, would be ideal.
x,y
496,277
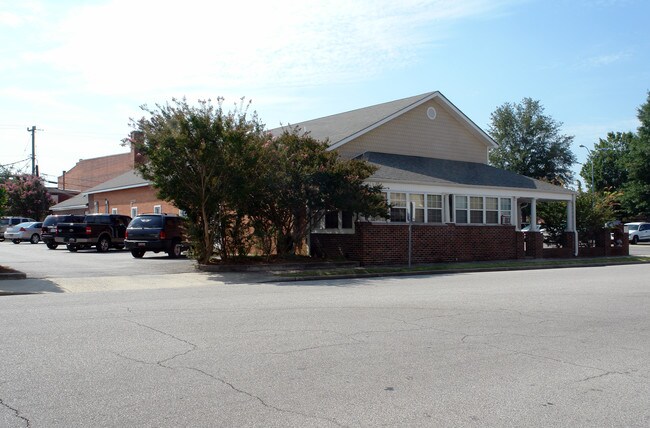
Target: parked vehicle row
x,y
148,232
6,222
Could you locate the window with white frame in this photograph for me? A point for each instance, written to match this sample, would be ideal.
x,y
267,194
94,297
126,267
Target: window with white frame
x,y
505,211
134,211
491,210
460,209
482,209
157,209
418,207
336,220
434,208
397,207
113,210
476,209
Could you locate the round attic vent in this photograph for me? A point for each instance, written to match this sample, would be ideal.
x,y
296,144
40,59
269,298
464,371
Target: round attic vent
x,y
431,113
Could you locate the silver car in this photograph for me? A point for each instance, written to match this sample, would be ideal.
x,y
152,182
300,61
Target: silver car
x,y
29,231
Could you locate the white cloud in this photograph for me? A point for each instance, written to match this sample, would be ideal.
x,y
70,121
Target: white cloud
x,y
126,47
604,59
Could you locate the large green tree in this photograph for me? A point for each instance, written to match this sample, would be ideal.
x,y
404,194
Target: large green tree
x,y
609,161
298,181
239,185
188,158
531,143
26,195
636,192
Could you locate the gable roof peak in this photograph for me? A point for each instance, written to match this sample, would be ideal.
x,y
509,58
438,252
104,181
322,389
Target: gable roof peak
x,y
341,128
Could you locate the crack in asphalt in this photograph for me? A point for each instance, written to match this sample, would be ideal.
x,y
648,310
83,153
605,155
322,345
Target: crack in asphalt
x,y
194,347
16,413
311,348
259,399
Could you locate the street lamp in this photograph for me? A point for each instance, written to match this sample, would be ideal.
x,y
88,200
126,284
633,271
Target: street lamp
x,y
592,166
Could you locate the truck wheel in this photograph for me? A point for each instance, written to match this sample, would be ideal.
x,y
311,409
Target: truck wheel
x,y
34,239
51,245
72,248
103,244
176,250
137,253
635,240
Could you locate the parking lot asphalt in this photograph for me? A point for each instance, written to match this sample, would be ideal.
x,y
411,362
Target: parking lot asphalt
x,y
61,271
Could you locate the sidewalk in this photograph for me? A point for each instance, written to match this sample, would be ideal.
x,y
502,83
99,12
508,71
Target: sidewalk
x,y
123,283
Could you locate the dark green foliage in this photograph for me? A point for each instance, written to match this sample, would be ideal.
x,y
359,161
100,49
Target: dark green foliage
x,y
188,159
636,192
530,143
297,182
609,158
241,187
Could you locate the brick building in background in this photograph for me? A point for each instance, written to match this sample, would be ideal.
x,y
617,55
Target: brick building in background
x,y
88,173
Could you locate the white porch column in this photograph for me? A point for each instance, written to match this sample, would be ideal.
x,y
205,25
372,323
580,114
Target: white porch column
x,y
570,216
514,212
445,208
533,215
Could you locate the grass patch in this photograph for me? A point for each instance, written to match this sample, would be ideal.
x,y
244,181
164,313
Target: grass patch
x,y
468,266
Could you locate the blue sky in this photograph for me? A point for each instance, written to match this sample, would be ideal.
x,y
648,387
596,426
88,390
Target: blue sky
x,y
78,70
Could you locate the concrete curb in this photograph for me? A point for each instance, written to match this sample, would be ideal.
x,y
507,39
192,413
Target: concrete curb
x,y
446,271
13,275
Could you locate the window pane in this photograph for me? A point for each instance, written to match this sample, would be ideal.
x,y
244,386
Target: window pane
x,y
434,201
492,203
476,216
398,199
492,217
332,220
418,200
461,216
506,204
418,216
397,214
434,216
476,203
461,202
346,220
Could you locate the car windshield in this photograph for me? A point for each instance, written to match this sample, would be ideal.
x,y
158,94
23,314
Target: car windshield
x,y
146,222
4,221
49,221
633,227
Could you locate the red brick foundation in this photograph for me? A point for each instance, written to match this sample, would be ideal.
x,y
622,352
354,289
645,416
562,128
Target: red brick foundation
x,y
376,244
379,243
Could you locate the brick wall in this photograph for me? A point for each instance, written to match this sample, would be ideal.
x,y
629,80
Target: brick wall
x,y
89,173
144,198
375,244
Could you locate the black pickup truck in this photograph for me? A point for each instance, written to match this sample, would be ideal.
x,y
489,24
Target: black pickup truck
x,y
102,231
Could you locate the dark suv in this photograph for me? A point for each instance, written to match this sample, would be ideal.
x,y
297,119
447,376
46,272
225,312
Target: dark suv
x,y
156,232
49,227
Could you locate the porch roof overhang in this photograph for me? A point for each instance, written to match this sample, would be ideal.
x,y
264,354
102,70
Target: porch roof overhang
x,y
400,172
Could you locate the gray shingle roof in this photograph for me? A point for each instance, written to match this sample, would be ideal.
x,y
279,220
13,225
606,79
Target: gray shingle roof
x,y
127,180
414,169
339,127
78,201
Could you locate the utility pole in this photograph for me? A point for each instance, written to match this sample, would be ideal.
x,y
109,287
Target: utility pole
x,y
33,131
